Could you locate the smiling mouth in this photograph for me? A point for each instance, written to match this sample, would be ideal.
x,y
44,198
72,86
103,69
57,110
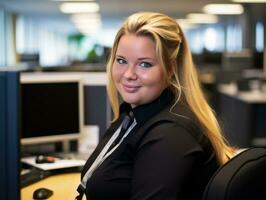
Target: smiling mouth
x,y
130,88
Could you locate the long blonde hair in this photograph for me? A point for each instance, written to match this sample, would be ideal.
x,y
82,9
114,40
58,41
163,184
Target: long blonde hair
x,y
174,55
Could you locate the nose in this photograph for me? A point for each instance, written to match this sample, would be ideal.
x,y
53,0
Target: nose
x,y
130,72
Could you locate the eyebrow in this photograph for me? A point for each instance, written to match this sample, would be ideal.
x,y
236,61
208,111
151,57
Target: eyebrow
x,y
120,56
144,58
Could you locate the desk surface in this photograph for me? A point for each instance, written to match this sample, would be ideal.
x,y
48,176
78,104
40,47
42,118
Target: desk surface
x,y
63,185
258,97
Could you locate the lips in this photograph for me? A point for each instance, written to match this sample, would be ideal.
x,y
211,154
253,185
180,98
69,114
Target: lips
x,y
130,88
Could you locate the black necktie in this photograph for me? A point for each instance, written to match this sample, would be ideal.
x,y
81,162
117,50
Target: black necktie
x,y
127,121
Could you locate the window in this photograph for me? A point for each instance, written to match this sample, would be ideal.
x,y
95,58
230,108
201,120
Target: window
x,y
210,38
214,39
234,38
2,39
195,40
259,37
38,36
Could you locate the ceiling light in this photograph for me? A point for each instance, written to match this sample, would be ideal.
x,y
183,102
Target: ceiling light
x,y
249,1
78,18
201,18
87,30
87,23
73,0
185,24
224,9
79,7
95,27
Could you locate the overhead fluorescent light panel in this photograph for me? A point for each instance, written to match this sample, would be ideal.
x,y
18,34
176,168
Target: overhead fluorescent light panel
x,y
223,9
72,7
185,24
201,18
73,0
249,1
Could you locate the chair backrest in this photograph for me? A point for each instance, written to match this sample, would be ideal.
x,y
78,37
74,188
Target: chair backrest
x,y
243,177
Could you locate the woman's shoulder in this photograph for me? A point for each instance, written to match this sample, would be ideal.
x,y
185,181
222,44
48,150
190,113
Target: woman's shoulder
x,y
176,125
178,115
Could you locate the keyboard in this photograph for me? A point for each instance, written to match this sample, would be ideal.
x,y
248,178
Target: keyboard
x,y
30,176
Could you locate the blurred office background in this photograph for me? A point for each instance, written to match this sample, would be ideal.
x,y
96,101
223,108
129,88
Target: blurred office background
x,y
54,100
228,46
53,33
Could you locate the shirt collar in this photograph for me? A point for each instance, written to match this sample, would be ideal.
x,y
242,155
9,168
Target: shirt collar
x,y
142,113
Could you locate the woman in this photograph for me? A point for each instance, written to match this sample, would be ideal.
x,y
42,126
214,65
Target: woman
x,y
174,144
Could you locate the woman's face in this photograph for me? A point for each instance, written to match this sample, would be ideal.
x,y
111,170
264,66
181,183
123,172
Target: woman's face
x,y
136,72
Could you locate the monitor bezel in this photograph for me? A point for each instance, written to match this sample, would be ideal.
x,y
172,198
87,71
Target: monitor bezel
x,y
32,78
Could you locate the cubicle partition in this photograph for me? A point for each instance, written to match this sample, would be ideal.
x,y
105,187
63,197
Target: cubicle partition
x,y
9,135
243,116
97,110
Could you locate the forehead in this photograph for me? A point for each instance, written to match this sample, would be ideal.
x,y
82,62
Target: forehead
x,y
136,44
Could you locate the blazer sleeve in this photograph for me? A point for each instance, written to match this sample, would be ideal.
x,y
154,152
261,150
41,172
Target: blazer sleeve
x,y
164,163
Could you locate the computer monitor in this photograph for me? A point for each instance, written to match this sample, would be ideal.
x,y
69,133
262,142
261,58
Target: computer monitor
x,y
51,106
9,135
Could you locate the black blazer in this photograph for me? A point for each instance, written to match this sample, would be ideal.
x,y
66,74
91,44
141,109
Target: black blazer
x,y
166,156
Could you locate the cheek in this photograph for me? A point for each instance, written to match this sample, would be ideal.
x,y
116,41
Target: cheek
x,y
153,78
116,73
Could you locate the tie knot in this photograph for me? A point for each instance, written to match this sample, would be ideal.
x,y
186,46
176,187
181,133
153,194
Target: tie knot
x,y
127,121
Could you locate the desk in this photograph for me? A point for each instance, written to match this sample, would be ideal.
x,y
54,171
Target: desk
x,y
63,185
250,97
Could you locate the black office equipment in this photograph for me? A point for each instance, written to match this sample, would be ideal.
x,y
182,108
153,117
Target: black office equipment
x,y
242,177
9,135
42,193
31,60
237,60
33,175
52,108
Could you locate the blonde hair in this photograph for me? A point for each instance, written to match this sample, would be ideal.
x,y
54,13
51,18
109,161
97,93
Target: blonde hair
x,y
174,55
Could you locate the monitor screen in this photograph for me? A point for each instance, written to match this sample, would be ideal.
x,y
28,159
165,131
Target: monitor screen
x,y
9,135
51,107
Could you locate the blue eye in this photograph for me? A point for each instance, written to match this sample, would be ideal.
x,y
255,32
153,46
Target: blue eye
x,y
145,64
121,61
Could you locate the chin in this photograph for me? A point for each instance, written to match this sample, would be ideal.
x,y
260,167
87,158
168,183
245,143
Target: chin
x,y
130,101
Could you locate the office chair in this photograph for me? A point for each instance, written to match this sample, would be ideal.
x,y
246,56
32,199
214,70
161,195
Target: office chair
x,y
243,177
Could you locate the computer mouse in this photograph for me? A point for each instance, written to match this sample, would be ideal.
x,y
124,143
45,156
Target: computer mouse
x,y
44,159
42,193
